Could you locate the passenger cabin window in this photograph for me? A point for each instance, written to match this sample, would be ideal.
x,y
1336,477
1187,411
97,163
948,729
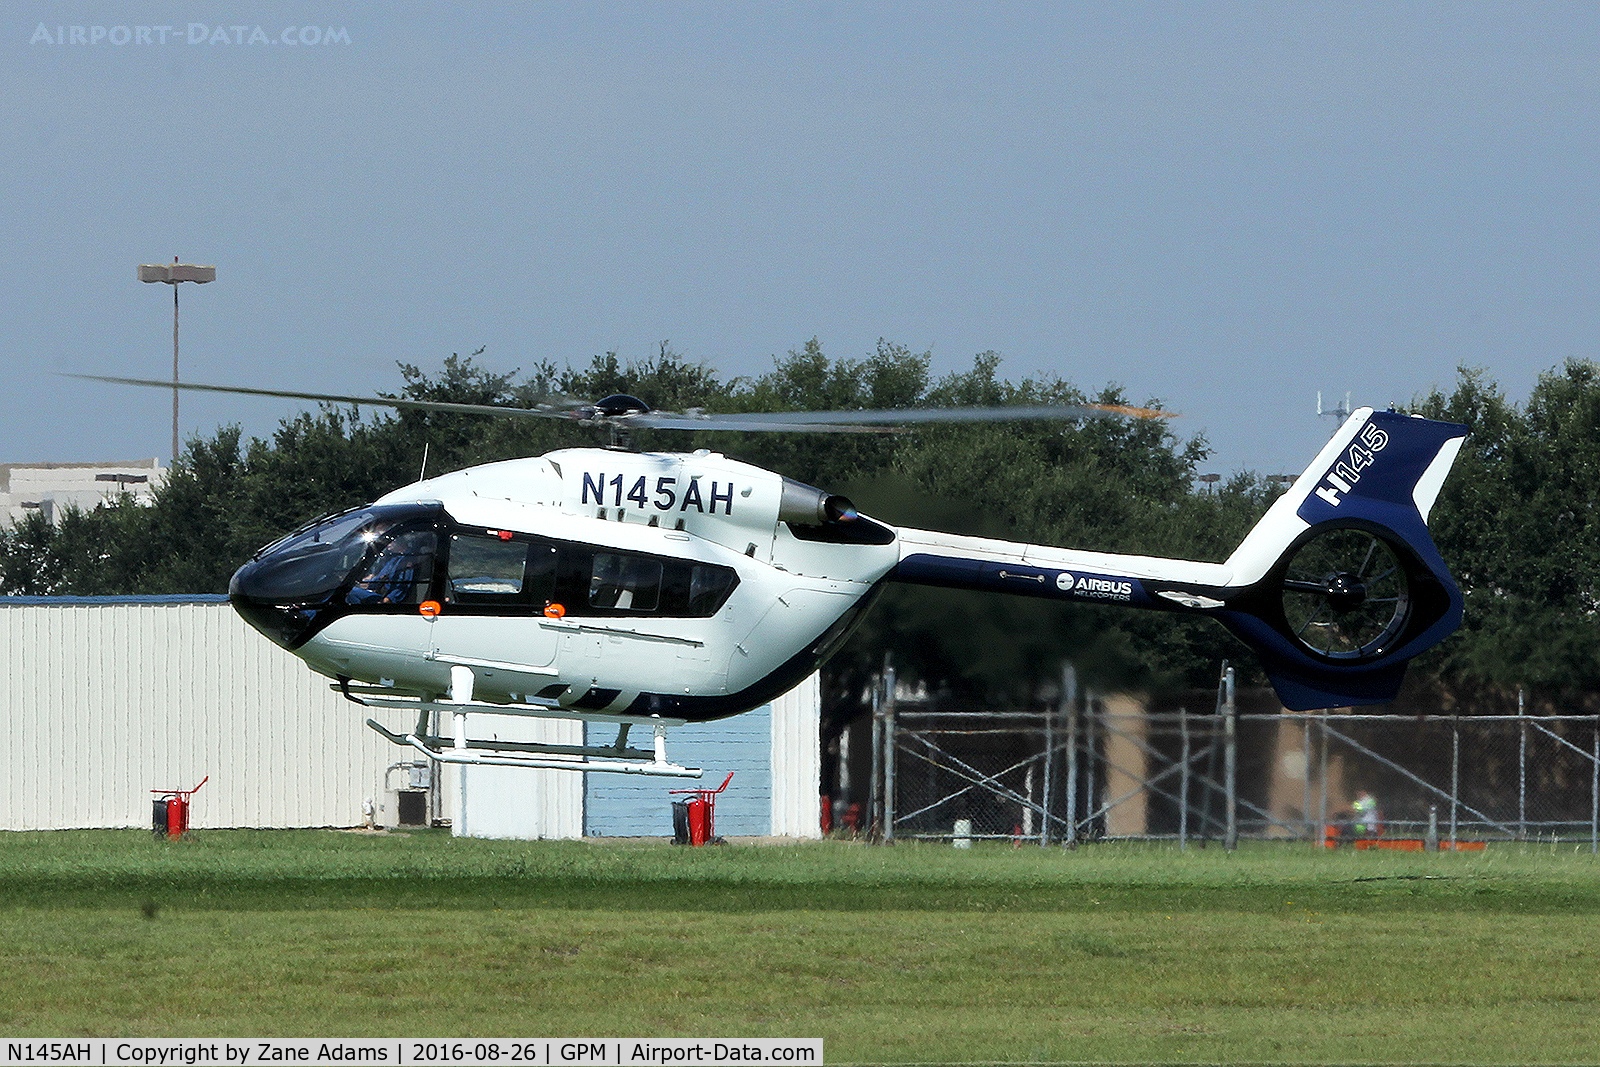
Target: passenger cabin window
x,y
487,573
400,573
709,586
628,583
492,570
625,582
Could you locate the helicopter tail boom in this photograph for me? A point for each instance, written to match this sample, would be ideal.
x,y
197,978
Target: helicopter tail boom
x,y
1336,587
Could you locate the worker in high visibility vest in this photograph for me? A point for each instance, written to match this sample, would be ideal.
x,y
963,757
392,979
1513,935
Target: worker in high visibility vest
x,y
1367,821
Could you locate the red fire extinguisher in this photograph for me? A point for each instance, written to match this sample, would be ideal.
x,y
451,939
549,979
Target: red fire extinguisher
x,y
171,810
701,811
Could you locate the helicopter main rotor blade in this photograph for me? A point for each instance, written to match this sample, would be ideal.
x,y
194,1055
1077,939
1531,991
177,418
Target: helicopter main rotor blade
x,y
335,398
858,421
843,421
744,423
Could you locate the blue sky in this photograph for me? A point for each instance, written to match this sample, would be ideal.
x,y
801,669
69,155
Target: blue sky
x,y
1224,206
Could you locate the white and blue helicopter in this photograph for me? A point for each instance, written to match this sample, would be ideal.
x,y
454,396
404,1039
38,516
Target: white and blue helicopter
x,y
650,589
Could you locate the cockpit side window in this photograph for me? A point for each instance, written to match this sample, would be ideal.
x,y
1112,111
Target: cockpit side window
x,y
493,572
400,573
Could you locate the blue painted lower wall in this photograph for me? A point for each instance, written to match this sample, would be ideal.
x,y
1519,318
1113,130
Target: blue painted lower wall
x,y
618,805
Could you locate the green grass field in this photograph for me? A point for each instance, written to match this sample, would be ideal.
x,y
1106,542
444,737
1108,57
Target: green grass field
x,y
1113,953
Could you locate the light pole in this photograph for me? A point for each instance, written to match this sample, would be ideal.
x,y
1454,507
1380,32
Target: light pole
x,y
173,273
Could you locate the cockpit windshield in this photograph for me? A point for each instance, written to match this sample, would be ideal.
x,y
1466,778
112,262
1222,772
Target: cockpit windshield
x,y
328,530
311,564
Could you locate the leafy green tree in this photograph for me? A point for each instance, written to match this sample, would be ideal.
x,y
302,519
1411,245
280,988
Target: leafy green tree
x,y
808,380
29,564
1516,520
666,381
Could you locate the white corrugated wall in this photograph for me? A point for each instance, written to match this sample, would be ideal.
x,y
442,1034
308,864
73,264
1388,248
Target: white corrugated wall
x,y
517,802
797,760
106,700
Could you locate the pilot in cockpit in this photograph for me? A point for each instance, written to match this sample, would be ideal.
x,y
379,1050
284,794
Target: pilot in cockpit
x,y
399,574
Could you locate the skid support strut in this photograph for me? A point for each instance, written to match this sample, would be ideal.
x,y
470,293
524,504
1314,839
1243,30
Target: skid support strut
x,y
460,749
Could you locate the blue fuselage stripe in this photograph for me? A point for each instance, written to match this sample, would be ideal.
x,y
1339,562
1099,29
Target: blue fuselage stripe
x,y
1051,583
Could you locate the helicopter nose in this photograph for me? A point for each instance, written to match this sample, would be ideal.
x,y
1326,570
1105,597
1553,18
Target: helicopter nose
x,y
295,584
257,594
280,591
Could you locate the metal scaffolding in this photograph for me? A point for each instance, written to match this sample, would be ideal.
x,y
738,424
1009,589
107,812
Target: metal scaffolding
x,y
1088,766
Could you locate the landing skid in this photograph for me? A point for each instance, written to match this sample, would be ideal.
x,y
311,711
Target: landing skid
x,y
459,749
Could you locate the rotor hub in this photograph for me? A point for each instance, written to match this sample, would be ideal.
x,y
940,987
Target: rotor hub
x,y
619,404
1346,592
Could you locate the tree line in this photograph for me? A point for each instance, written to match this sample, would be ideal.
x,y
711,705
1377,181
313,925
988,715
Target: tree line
x,y
1514,520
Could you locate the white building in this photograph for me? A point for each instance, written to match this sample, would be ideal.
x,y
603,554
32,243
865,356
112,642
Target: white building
x,y
52,488
110,698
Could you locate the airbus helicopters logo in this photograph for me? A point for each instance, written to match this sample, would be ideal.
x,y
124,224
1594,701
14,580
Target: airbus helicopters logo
x,y
1346,472
1097,588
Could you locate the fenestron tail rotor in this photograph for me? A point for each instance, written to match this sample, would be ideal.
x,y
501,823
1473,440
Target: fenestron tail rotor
x,y
1346,595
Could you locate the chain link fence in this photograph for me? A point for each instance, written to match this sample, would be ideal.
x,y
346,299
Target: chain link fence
x,y
1100,767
